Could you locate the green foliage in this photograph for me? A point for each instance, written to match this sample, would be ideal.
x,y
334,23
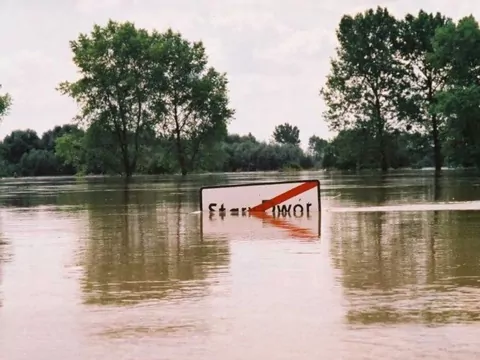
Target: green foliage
x,y
94,151
403,92
49,138
18,143
38,162
22,154
196,103
424,78
121,71
248,155
5,103
462,140
363,87
70,151
456,49
134,83
317,149
287,134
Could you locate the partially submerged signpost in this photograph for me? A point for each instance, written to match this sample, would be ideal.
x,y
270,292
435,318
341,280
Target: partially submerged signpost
x,y
288,205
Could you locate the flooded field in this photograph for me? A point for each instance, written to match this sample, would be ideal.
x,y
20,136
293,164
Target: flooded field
x,y
90,269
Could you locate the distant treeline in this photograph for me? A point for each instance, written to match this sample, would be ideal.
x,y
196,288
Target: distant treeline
x,y
400,93
69,150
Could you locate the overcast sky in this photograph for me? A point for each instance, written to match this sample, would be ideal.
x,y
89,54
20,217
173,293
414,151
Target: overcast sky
x,y
275,52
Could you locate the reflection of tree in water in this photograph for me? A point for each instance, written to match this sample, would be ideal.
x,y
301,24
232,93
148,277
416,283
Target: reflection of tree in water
x,y
142,247
408,267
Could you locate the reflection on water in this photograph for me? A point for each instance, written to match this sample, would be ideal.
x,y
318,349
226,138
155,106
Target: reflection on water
x,y
409,267
261,226
142,249
93,269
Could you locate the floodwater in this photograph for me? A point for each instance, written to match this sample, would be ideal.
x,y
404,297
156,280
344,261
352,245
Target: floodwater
x,y
92,270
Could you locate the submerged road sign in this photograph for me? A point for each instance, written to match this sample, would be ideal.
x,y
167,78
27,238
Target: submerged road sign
x,y
284,197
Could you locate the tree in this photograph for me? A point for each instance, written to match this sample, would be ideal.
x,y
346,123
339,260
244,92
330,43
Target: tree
x,y
50,137
121,75
18,143
456,49
38,162
362,88
5,103
317,145
423,79
196,103
70,150
287,134
317,149
354,149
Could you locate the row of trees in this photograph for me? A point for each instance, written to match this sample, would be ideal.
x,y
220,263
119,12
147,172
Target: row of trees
x,y
417,75
70,150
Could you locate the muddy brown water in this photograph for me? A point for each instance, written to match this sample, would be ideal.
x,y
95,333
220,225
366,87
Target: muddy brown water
x,y
92,270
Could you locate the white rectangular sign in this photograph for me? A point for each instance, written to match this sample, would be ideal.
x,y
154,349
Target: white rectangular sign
x,y
291,197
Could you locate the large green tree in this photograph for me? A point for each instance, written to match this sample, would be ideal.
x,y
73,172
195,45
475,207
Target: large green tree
x,y
457,49
5,103
196,100
423,78
121,78
286,134
362,88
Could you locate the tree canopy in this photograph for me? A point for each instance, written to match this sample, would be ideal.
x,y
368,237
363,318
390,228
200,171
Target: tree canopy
x,y
362,87
134,83
286,134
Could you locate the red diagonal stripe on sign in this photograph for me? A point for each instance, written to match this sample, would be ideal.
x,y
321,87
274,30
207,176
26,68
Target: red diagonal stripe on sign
x,y
287,195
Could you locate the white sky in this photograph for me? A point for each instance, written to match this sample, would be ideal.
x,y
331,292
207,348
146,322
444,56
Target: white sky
x,y
275,52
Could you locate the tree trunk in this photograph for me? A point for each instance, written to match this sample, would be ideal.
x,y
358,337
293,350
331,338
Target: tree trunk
x,y
126,162
380,129
382,149
437,147
180,153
